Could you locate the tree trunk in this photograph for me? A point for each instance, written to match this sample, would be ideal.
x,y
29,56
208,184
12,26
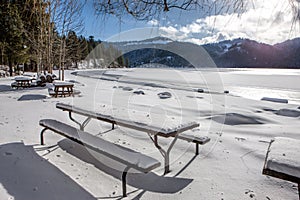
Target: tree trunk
x,y
10,67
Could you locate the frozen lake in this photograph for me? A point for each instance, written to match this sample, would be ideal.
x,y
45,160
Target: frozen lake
x,y
245,82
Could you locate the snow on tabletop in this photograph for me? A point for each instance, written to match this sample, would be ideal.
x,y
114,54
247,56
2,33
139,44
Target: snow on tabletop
x,y
284,156
22,78
62,83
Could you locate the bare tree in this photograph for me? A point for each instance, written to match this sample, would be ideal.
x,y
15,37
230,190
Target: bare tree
x,y
149,9
67,17
295,5
35,16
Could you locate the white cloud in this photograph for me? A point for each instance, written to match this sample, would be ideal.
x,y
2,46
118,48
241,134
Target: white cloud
x,y
265,21
173,33
153,22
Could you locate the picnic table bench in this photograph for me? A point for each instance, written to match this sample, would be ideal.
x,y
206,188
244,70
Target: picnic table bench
x,y
283,160
123,155
175,132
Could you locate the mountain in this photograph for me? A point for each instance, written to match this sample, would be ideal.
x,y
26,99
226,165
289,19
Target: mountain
x,y
249,53
230,53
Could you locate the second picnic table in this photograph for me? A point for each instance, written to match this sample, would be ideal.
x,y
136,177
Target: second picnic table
x,y
61,88
22,82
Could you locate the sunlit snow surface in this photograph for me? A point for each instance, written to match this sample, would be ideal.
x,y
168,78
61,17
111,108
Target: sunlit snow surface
x,y
248,83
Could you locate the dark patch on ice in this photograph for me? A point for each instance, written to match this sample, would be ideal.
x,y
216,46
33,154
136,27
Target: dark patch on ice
x,y
284,112
139,92
116,76
8,153
276,100
288,112
299,107
153,85
164,95
269,109
237,119
127,89
194,97
29,97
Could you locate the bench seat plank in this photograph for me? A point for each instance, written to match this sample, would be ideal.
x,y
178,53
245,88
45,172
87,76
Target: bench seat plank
x,y
283,159
123,155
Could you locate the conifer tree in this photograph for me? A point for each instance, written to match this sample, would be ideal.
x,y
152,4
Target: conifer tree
x,y
12,35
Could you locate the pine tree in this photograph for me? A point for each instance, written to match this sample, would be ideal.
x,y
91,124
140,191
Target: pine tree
x,y
12,35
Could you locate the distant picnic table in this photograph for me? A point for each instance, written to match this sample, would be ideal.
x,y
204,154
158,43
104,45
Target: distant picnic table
x,y
61,88
22,82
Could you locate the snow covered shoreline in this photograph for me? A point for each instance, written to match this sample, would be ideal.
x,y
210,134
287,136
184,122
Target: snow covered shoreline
x,y
229,167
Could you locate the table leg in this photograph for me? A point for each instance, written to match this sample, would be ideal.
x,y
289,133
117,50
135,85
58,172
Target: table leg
x,y
81,125
63,91
164,153
69,92
55,91
19,84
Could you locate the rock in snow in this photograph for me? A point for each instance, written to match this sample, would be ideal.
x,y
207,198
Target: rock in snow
x,y
164,95
139,92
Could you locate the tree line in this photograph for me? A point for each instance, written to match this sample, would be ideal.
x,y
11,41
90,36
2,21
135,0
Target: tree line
x,y
43,34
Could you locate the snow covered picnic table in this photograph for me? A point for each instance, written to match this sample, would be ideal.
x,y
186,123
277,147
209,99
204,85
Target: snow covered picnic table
x,y
283,160
61,88
22,82
124,155
154,132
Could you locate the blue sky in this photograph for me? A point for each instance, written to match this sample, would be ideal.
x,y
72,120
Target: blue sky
x,y
106,26
265,21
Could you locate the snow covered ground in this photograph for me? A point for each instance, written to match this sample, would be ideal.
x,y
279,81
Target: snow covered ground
x,y
239,124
